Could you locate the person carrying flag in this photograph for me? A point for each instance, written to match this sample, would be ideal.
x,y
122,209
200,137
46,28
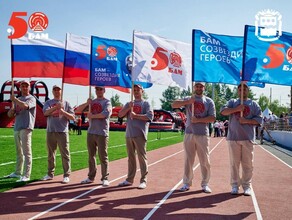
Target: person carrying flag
x,y
97,134
25,114
58,113
241,138
196,139
139,114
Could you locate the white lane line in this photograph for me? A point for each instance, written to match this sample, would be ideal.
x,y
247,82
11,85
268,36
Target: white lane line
x,y
157,206
256,205
254,200
11,162
98,187
6,136
275,157
71,200
82,151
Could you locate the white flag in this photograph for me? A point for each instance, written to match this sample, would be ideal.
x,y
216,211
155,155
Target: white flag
x,y
161,61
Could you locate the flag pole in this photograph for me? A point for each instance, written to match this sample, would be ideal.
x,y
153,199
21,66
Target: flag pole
x,y
193,71
193,104
89,78
133,48
11,67
242,74
241,97
89,95
65,55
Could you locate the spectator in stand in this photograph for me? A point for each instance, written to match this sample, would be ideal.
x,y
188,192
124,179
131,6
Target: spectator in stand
x,y
286,121
82,118
226,123
79,125
290,120
281,121
216,129
273,119
221,128
210,128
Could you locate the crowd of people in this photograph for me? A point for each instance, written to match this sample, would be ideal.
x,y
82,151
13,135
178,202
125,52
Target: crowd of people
x,y
283,122
75,126
244,115
220,128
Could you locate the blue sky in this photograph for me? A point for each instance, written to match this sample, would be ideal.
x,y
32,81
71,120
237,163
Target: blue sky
x,y
117,19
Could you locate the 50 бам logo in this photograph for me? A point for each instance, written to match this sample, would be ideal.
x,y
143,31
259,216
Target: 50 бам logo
x,y
37,22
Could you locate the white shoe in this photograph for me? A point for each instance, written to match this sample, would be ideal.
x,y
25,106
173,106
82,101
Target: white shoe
x,y
47,177
142,185
66,180
23,179
125,183
206,189
247,192
234,190
86,181
184,188
12,175
105,183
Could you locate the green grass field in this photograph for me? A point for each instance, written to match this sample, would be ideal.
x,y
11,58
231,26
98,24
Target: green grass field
x,y
117,150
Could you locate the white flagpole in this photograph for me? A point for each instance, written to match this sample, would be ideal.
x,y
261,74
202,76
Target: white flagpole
x,y
241,97
132,66
132,90
193,105
12,69
62,91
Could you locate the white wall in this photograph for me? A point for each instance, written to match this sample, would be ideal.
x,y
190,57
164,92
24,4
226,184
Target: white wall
x,y
282,137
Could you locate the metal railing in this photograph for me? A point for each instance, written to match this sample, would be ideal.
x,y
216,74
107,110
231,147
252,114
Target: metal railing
x,y
281,124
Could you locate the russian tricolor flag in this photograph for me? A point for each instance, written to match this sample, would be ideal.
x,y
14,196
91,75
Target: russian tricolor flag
x,y
37,58
77,60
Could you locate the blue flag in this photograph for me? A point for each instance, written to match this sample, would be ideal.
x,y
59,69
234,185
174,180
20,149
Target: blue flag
x,y
111,63
217,58
267,61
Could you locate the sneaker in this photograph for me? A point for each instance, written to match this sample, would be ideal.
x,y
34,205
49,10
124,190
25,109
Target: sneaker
x,y
66,180
234,190
142,185
184,188
47,177
105,183
86,181
206,189
12,175
247,192
125,183
23,179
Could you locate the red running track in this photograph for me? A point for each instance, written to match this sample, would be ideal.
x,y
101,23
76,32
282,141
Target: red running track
x,y
271,198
